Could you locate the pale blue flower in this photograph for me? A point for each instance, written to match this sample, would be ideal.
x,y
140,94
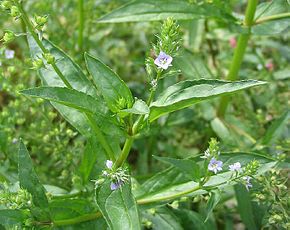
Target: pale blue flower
x,y
9,54
163,60
235,167
215,165
109,164
115,186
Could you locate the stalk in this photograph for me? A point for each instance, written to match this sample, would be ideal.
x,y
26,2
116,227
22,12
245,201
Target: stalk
x,y
108,150
81,24
239,53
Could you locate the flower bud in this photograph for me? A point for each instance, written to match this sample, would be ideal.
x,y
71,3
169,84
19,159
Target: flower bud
x,y
6,5
40,20
14,11
37,64
49,58
8,36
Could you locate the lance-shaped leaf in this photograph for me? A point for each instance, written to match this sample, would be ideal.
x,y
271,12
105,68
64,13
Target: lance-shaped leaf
x,y
74,76
118,207
76,100
153,10
187,93
214,199
114,90
28,180
69,97
187,166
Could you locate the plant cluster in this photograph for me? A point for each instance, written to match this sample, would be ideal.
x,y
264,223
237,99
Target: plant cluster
x,y
179,142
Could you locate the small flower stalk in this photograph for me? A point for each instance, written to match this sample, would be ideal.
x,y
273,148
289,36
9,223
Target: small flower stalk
x,y
211,157
163,52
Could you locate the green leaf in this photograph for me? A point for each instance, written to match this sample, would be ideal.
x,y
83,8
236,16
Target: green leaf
x,y
189,167
69,97
28,180
187,93
275,129
245,207
63,209
192,66
114,90
270,9
9,217
169,184
74,76
162,218
79,101
191,220
214,199
89,159
152,10
221,130
118,207
139,107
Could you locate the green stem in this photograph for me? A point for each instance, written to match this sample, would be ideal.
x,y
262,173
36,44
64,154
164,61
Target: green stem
x,y
81,24
97,130
39,43
78,219
129,141
125,152
272,17
239,53
168,197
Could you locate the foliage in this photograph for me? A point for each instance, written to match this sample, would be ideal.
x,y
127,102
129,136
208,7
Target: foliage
x,y
111,120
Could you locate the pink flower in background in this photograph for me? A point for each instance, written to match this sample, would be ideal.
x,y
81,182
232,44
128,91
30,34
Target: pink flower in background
x,y
233,42
269,66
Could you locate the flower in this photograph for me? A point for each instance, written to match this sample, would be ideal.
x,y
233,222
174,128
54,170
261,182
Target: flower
x,y
163,60
9,54
215,165
109,164
269,66
206,154
233,42
248,183
236,167
115,186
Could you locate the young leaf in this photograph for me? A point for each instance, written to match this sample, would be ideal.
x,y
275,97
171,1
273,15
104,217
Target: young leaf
x,y
118,207
214,199
245,206
114,90
189,167
139,107
152,10
187,93
28,180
